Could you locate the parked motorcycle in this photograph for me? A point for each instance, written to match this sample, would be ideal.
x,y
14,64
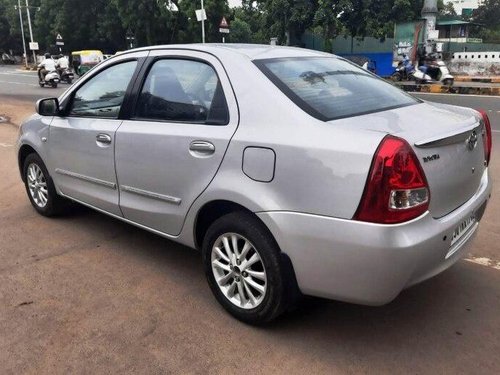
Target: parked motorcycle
x,y
435,72
51,79
403,72
66,75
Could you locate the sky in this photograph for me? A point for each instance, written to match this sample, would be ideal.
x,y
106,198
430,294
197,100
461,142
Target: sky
x,y
234,3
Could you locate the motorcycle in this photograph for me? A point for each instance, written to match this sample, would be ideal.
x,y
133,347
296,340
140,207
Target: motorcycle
x,y
435,72
66,75
51,79
403,72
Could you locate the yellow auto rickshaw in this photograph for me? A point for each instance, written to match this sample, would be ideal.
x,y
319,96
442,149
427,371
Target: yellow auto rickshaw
x,y
83,61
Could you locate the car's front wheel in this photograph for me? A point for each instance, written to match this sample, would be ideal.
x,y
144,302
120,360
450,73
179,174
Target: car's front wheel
x,y
244,270
40,188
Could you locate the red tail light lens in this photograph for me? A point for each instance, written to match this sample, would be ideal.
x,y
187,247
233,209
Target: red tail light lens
x,y
487,136
396,189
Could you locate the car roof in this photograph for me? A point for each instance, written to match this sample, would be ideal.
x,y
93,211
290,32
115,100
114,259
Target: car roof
x,y
250,51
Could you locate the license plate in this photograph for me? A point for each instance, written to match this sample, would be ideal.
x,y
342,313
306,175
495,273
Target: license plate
x,y
462,228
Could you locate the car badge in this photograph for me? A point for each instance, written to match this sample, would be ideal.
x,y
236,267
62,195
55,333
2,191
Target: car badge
x,y
472,141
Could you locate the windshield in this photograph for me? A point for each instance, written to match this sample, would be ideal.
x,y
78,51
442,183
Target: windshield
x,y
329,88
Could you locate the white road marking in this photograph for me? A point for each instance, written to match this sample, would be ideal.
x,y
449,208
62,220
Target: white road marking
x,y
495,131
483,261
27,74
5,145
19,83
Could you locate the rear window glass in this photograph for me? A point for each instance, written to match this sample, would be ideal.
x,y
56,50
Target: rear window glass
x,y
329,88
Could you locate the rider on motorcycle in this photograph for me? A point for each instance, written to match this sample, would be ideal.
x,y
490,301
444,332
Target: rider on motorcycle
x,y
62,64
46,66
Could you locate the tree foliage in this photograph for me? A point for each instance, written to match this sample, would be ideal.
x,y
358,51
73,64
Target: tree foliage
x,y
104,24
488,16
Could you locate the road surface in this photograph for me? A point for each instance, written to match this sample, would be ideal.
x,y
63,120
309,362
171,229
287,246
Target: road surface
x,y
89,294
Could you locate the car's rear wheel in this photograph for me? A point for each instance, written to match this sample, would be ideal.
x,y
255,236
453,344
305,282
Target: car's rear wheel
x,y
244,269
40,188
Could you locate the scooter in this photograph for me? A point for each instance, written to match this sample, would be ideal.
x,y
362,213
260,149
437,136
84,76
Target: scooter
x,y
66,75
51,79
403,72
437,72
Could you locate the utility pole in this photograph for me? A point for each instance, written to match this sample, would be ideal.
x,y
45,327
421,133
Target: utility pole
x,y
429,13
31,32
202,22
22,32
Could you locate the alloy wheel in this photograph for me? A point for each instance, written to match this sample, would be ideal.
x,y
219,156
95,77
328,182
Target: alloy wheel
x,y
37,185
239,271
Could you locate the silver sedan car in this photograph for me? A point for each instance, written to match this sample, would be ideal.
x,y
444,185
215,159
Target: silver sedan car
x,y
293,171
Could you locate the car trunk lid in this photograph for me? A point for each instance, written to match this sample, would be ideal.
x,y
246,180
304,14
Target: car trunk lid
x,y
448,142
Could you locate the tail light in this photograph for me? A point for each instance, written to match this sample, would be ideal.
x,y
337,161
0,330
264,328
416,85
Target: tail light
x,y
396,189
486,136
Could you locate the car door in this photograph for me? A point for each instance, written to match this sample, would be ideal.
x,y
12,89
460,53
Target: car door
x,y
82,140
170,149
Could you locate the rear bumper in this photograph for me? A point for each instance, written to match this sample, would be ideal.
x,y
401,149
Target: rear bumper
x,y
370,263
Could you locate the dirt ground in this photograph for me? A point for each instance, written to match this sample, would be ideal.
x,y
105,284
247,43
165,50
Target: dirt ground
x,y
88,294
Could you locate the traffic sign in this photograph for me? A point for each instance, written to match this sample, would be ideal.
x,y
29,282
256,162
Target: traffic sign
x,y
34,46
224,31
201,15
223,24
59,37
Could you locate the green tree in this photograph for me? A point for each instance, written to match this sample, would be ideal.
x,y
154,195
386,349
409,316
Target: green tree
x,y
240,32
488,16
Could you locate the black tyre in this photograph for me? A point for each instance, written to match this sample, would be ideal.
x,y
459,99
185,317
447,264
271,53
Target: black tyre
x,y
54,85
396,77
252,283
40,188
448,82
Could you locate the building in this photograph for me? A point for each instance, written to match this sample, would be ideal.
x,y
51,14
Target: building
x,y
465,7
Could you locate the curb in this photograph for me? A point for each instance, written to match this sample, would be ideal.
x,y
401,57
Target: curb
x,y
478,79
442,89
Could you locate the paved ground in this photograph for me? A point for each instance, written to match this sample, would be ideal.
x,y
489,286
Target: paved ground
x,y
88,294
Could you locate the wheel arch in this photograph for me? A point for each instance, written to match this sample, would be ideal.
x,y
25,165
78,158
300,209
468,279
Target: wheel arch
x,y
23,153
212,211
215,209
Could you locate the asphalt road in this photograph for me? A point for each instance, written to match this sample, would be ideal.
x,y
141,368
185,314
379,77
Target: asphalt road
x,y
89,294
23,85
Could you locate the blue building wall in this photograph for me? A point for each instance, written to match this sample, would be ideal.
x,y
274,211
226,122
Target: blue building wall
x,y
379,51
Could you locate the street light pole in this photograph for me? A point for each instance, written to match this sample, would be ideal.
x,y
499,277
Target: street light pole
x,y
31,32
202,22
22,33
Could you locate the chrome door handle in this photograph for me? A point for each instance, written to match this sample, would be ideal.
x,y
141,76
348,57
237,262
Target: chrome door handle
x,y
103,138
202,147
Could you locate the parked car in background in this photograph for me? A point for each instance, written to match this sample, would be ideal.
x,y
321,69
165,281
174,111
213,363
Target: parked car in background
x,y
293,171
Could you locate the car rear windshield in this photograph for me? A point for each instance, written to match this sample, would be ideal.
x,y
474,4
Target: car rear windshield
x,y
330,88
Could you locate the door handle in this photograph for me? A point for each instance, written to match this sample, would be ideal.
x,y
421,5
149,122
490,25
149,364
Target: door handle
x,y
202,147
103,138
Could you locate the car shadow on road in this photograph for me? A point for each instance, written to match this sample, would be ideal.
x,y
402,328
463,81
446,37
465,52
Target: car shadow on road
x,y
457,309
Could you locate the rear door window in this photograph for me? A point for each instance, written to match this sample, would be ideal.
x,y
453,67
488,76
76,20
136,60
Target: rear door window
x,y
178,90
329,88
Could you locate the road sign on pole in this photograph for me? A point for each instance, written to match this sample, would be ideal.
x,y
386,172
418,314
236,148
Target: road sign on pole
x,y
223,23
223,28
201,15
34,46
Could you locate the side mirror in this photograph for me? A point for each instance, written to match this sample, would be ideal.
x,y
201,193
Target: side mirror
x,y
47,107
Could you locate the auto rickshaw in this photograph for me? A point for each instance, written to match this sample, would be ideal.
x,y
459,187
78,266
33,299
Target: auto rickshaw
x,y
83,61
